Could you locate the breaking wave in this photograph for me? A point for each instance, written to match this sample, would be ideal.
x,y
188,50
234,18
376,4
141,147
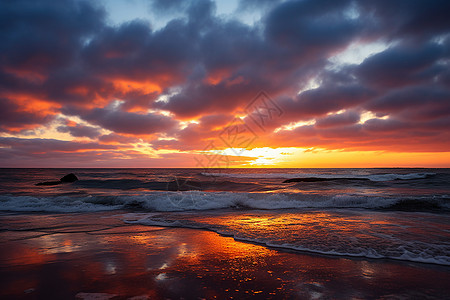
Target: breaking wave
x,y
198,200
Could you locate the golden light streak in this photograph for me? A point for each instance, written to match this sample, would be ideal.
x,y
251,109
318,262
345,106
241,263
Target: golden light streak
x,y
294,157
293,125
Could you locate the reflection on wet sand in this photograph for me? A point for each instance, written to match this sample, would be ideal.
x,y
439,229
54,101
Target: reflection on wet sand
x,y
402,236
97,253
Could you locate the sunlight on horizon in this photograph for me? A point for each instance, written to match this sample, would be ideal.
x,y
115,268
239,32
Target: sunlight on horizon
x,y
295,157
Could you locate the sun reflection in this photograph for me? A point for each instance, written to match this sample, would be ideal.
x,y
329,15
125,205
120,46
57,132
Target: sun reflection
x,y
58,244
164,266
148,238
367,270
161,276
110,268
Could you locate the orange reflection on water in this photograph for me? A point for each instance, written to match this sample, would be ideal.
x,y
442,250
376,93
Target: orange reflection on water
x,y
57,243
211,243
25,256
132,260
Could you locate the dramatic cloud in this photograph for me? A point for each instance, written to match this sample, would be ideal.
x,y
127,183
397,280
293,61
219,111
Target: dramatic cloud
x,y
418,103
323,100
80,131
402,65
346,118
126,122
15,117
176,80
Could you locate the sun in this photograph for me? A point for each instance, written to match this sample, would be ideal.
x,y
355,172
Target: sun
x,y
264,156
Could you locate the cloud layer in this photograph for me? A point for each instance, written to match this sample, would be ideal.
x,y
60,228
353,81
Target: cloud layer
x,y
113,89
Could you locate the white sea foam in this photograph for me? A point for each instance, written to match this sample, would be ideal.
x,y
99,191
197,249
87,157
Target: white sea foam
x,y
373,177
198,200
189,200
53,204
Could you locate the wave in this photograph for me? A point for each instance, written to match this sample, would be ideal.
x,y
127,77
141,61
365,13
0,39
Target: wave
x,y
198,200
176,184
58,204
373,177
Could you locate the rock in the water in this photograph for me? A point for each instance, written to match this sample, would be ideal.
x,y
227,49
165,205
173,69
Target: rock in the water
x,y
69,178
66,179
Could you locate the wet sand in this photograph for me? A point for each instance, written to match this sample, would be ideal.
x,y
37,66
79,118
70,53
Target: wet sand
x,y
97,256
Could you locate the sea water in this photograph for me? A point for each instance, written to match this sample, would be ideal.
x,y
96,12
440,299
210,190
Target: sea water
x,y
401,214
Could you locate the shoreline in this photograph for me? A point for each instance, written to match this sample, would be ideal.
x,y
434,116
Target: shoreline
x,y
82,255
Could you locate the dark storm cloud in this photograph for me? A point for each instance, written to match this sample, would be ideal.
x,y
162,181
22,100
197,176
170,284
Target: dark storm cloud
x,y
346,118
134,51
13,118
164,6
214,121
196,100
309,26
45,35
326,99
414,103
410,19
80,131
126,122
401,65
256,4
196,135
385,126
39,146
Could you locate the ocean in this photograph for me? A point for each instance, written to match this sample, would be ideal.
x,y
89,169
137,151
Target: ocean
x,y
397,214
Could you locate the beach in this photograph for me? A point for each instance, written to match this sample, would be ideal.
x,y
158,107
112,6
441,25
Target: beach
x,y
98,256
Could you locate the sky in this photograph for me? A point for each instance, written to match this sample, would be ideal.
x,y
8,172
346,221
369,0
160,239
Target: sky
x,y
243,83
